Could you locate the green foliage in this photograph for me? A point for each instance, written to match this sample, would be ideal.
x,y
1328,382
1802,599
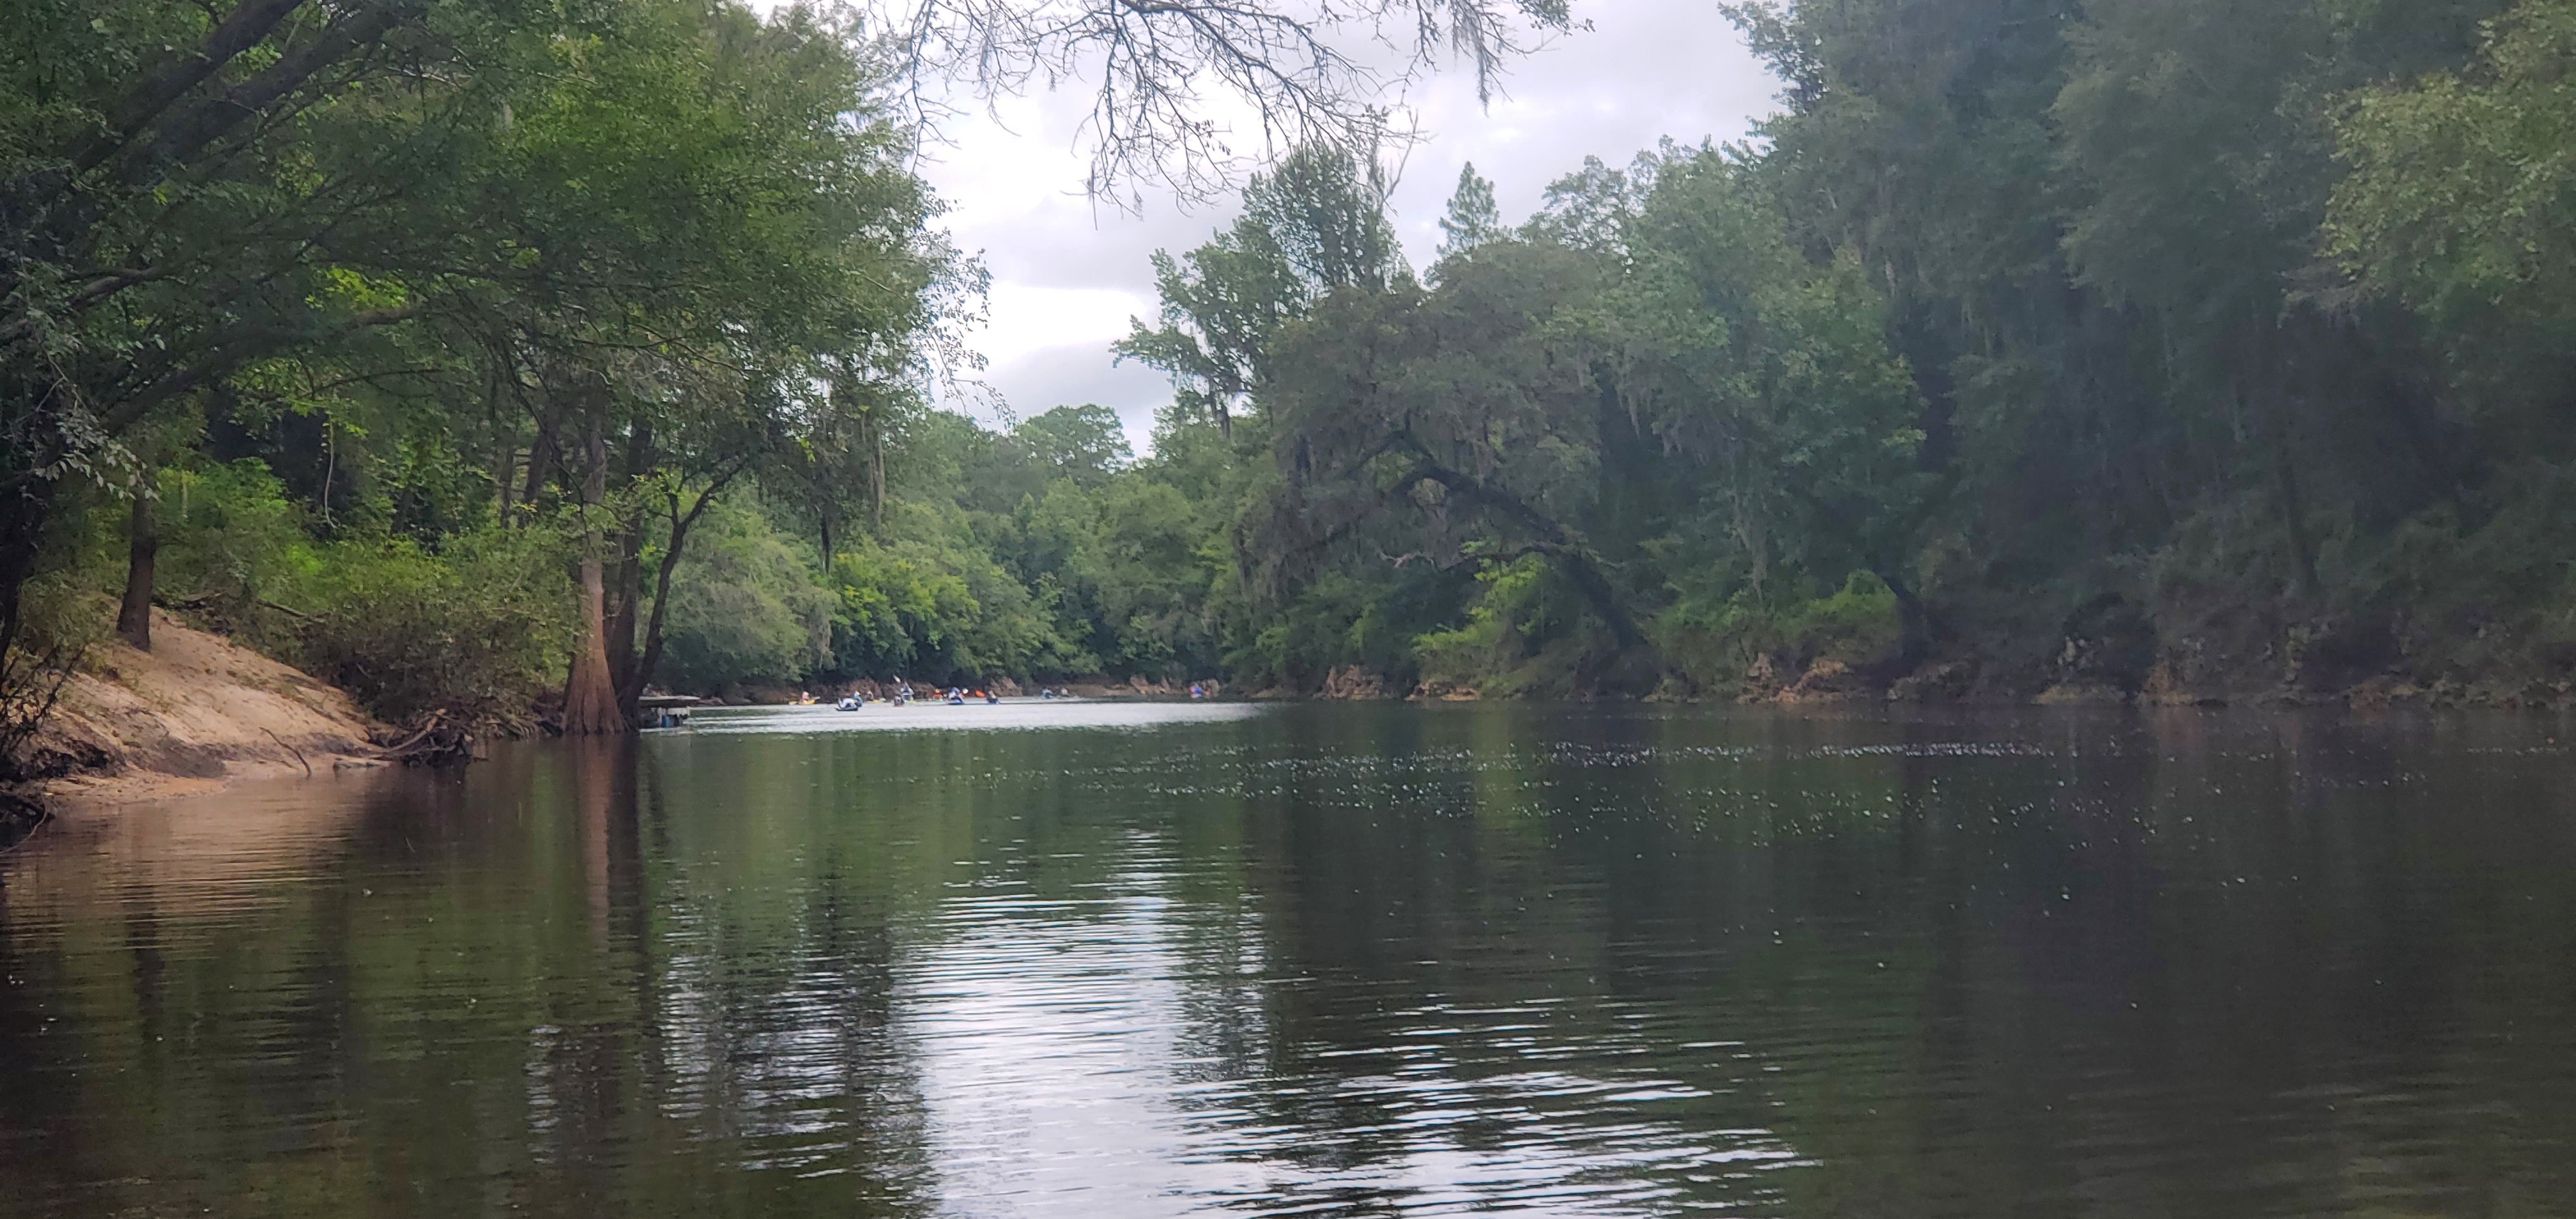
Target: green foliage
x,y
478,629
471,264
1492,651
1326,210
1085,445
1589,209
1473,217
1653,394
1717,642
746,606
896,611
2010,334
235,544
2461,198
1771,370
1122,557
927,602
477,626
1313,226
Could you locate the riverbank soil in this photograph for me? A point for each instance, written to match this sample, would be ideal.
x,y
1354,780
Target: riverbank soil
x,y
192,714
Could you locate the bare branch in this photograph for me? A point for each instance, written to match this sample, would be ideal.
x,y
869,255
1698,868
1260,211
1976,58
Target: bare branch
x,y
1161,72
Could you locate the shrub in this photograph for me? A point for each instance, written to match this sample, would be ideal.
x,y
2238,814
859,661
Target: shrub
x,y
234,548
745,606
477,628
1714,644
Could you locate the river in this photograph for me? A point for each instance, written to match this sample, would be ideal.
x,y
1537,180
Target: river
x,y
1139,960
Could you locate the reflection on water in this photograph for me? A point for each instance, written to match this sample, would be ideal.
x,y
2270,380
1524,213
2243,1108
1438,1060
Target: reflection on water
x,y
1170,959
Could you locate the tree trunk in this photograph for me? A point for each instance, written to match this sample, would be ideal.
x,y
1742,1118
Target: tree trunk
x,y
1595,587
590,702
2294,521
631,670
142,546
541,457
1917,631
1572,557
680,523
2281,426
590,697
509,464
652,657
625,588
23,515
875,441
626,579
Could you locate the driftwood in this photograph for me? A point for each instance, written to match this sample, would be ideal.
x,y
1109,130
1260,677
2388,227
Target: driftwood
x,y
439,740
435,742
299,754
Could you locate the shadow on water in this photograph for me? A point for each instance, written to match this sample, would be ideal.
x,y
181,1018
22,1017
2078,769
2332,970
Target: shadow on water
x,y
19,818
1329,961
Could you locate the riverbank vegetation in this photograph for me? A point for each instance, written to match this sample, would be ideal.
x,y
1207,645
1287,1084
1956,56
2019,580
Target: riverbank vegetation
x,y
512,361
488,301
427,342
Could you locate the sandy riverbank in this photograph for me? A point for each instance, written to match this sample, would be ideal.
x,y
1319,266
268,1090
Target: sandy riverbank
x,y
193,715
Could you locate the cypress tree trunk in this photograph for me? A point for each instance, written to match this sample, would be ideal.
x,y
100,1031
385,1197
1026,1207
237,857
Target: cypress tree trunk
x,y
590,695
622,597
142,546
626,579
590,701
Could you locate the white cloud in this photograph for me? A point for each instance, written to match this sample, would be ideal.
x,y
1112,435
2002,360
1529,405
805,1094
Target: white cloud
x,y
1032,316
1077,373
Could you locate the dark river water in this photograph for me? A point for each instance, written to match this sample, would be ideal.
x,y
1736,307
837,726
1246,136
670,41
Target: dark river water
x,y
1140,960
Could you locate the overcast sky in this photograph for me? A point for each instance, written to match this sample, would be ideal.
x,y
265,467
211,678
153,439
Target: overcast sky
x,y
1067,275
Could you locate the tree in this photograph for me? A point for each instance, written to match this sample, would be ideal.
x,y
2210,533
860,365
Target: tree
x,y
173,183
1589,209
2461,196
1314,225
1769,372
1473,218
1466,412
1084,445
718,253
